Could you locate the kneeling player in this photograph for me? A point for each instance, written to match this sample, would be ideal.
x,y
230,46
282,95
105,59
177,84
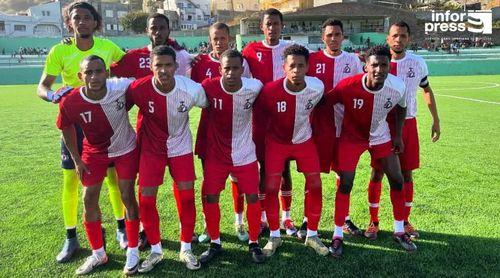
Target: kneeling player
x,y
230,149
99,109
288,103
164,100
367,98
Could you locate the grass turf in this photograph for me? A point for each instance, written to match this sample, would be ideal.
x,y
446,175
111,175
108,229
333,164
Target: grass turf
x,y
456,206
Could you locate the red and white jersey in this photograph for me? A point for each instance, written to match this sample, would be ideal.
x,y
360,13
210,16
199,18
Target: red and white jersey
x,y
165,122
266,61
365,111
331,69
137,63
208,67
104,122
289,112
413,70
229,134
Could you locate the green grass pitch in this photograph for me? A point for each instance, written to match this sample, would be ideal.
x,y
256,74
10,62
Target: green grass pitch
x,y
457,200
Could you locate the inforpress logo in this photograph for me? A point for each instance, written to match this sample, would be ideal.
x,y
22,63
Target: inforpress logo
x,y
479,22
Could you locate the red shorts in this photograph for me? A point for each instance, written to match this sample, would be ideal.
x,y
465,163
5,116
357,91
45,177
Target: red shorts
x,y
152,168
410,158
126,167
305,154
348,153
216,173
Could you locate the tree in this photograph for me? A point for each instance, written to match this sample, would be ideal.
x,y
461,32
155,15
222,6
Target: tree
x,y
135,22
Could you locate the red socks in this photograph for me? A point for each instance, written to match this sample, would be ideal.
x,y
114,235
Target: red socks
x,y
94,234
313,201
187,213
272,201
408,191
398,204
374,192
212,219
132,229
238,199
253,218
341,207
150,219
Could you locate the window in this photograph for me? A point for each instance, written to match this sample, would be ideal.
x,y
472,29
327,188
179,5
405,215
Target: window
x,y
109,13
47,13
2,26
199,17
109,27
121,14
20,28
43,13
190,17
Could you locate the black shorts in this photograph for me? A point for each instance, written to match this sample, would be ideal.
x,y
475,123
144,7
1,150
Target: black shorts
x,y
66,159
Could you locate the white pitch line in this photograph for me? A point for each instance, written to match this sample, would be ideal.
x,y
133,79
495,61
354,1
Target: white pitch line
x,y
491,85
470,99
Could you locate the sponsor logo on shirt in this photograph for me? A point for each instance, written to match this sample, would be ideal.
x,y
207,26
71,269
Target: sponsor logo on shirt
x,y
388,104
182,108
247,105
119,104
411,73
309,104
347,69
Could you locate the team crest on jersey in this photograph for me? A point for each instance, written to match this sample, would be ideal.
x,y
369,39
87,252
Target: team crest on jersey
x,y
411,73
119,104
388,104
247,105
309,104
347,69
182,108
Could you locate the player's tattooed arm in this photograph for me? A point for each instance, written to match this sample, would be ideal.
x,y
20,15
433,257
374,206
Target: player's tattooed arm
x,y
69,137
431,104
397,143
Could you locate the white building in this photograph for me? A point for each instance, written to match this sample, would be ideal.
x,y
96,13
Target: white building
x,y
43,20
192,14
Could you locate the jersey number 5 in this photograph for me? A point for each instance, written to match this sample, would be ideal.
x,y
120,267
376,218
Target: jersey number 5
x,y
86,116
281,106
358,103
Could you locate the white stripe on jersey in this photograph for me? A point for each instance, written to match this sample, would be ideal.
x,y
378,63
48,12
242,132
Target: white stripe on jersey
x,y
123,138
345,65
411,69
180,100
242,145
384,100
305,101
277,52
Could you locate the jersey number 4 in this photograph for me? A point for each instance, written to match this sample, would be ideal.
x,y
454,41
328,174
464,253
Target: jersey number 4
x,y
86,116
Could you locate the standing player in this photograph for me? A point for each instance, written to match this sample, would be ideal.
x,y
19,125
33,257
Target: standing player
x,y
164,100
207,67
265,59
413,70
81,19
99,109
230,149
367,99
137,64
288,103
331,65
